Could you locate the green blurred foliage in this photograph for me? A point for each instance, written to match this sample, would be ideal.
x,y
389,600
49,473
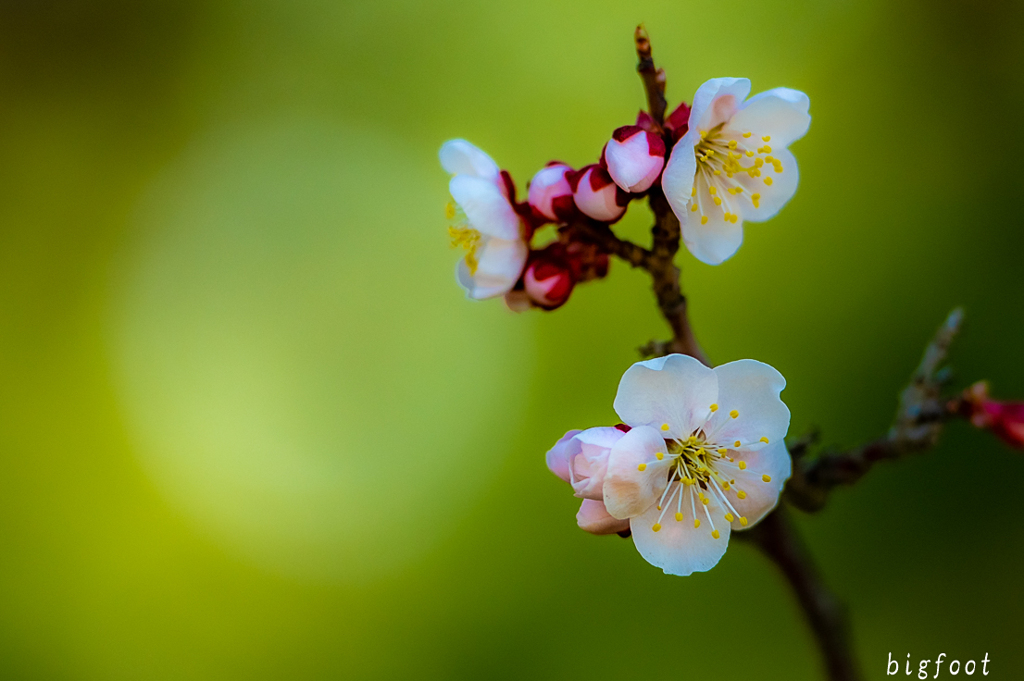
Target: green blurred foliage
x,y
250,429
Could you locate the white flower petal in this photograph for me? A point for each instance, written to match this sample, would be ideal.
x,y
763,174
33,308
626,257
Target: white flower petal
x,y
499,264
716,101
781,113
751,389
635,477
715,241
677,180
589,463
486,207
760,496
676,390
678,547
459,157
775,196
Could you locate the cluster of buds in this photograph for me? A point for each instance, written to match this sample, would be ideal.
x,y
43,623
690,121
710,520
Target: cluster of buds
x,y
1004,419
721,162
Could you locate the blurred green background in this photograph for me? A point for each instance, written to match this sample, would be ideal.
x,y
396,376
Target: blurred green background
x,y
250,428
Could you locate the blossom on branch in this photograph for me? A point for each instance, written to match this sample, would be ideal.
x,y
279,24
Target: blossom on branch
x,y
550,195
705,455
733,164
484,221
596,194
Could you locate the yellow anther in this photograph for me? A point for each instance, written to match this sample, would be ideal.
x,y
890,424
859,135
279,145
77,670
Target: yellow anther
x,y
679,517
704,500
664,426
764,440
750,154
736,444
741,494
693,208
734,413
691,440
756,197
725,485
718,201
713,407
719,172
758,162
768,181
767,149
696,523
728,217
746,134
449,210
728,516
714,533
642,467
766,477
742,465
739,190
769,159
735,218
694,192
766,138
703,134
656,527
743,520
660,456
703,219
723,451
712,190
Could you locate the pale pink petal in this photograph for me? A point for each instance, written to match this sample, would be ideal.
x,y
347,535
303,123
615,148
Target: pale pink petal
x,y
594,518
676,390
677,180
716,101
782,114
548,184
588,465
774,196
558,456
635,476
499,264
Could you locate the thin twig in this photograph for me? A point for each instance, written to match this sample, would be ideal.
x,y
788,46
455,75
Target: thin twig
x,y
919,419
778,538
654,78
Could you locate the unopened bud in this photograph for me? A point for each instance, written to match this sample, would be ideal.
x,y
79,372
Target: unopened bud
x,y
635,158
550,195
548,279
596,194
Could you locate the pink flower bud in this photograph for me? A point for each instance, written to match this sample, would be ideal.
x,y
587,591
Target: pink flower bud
x,y
635,158
550,194
581,459
548,279
596,195
595,519
1004,419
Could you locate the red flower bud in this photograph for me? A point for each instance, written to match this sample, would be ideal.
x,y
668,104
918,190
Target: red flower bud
x,y
548,279
1004,419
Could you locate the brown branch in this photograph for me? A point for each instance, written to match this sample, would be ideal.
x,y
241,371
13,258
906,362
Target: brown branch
x,y
778,538
918,422
653,78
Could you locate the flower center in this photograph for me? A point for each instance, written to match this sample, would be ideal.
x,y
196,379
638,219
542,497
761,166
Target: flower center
x,y
701,469
463,235
724,158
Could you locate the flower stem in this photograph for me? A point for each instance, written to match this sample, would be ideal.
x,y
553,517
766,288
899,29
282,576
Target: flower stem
x,y
779,540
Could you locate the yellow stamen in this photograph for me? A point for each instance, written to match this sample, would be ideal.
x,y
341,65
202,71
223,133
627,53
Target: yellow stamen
x,y
741,494
728,516
696,523
743,520
703,219
660,456
449,210
766,138
746,134
713,407
656,527
764,440
734,413
768,181
766,477
742,465
714,533
642,467
679,517
736,444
